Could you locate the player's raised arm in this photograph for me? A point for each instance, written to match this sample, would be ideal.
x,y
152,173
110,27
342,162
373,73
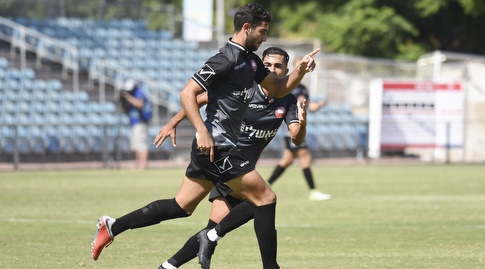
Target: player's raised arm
x,y
279,87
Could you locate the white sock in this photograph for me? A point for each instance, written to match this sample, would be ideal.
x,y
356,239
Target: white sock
x,y
167,265
212,235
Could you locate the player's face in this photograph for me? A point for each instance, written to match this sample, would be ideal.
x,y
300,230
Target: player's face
x,y
256,36
276,64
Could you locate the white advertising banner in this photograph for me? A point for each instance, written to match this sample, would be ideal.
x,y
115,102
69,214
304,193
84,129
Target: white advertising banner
x,y
417,114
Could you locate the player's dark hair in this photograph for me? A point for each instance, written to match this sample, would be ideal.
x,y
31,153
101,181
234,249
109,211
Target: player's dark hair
x,y
278,51
252,13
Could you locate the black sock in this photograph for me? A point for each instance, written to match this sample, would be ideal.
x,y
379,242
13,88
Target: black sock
x,y
309,178
189,250
264,226
276,174
239,215
151,214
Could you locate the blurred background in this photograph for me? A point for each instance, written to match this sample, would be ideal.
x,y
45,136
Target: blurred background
x,y
400,78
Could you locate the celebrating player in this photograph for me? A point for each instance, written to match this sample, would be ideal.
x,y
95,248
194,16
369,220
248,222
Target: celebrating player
x,y
260,124
228,79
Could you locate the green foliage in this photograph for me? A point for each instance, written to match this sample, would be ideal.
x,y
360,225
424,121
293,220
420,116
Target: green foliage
x,y
432,7
363,29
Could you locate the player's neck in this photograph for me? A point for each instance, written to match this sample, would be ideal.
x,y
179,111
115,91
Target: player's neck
x,y
239,38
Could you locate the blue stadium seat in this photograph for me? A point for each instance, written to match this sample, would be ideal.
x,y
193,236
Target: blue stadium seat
x,y
324,142
54,85
27,74
3,64
7,145
38,140
39,85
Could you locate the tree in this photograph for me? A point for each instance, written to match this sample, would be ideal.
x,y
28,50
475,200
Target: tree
x,y
384,28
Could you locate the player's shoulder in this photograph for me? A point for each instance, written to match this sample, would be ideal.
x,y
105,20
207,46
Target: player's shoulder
x,y
290,98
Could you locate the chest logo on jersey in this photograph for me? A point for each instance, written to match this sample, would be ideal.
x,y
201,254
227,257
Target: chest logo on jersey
x,y
258,133
254,65
280,112
247,94
206,72
223,164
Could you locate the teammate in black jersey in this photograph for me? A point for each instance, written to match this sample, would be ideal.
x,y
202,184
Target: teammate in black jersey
x,y
301,151
260,124
228,79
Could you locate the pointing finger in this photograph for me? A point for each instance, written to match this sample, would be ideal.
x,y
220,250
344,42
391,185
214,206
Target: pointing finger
x,y
314,52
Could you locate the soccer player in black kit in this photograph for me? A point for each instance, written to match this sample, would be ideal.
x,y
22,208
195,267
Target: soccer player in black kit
x,y
228,79
260,124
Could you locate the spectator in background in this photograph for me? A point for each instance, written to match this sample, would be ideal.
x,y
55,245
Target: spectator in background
x,y
301,152
137,105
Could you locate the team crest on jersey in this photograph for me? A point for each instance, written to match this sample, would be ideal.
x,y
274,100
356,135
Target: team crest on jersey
x,y
254,65
206,72
280,112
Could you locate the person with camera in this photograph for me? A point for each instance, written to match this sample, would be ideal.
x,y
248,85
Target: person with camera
x,y
137,105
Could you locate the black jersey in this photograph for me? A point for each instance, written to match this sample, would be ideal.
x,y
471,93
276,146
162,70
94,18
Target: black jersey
x,y
228,78
301,90
262,120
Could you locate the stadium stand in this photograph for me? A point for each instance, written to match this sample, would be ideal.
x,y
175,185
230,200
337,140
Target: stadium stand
x,y
45,118
39,117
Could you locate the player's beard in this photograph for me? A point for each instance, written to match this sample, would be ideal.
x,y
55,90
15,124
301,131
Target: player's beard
x,y
252,43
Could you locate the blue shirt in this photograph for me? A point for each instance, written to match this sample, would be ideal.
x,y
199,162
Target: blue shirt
x,y
136,115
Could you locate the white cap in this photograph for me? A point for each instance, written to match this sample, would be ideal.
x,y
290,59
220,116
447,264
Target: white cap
x,y
129,85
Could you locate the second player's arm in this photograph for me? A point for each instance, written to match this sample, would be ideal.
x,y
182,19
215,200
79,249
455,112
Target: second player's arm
x,y
298,130
169,129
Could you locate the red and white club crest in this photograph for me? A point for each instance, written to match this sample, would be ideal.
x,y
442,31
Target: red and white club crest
x,y
254,65
280,112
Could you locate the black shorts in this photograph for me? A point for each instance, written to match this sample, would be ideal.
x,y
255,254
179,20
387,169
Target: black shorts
x,y
291,146
228,164
223,191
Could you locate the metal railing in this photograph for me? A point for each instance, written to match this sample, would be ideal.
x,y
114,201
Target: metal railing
x,y
43,46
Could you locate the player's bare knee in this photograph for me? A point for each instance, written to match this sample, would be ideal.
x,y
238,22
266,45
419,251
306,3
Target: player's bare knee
x,y
269,197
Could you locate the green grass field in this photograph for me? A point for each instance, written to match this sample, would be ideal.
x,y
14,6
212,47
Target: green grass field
x,y
409,216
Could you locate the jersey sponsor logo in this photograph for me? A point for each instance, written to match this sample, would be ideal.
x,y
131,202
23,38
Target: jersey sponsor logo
x,y
246,93
223,164
280,112
258,133
254,65
241,65
206,72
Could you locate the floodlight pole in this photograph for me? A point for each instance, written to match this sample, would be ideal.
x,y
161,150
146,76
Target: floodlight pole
x,y
220,23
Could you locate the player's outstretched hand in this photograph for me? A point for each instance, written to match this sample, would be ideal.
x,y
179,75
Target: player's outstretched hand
x,y
307,63
169,130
